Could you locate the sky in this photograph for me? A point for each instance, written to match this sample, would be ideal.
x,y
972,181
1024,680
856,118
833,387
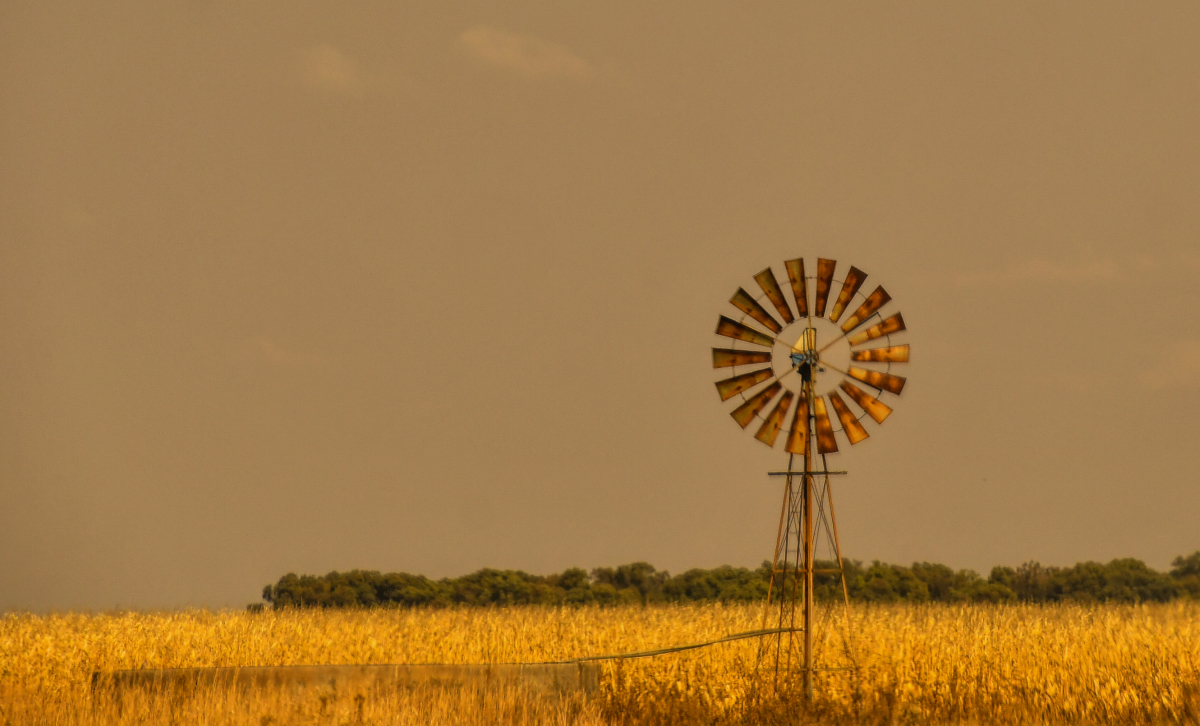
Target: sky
x,y
431,287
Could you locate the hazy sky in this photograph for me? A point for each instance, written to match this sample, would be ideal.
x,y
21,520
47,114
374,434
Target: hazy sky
x,y
432,286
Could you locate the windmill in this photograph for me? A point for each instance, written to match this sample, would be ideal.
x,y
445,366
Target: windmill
x,y
803,364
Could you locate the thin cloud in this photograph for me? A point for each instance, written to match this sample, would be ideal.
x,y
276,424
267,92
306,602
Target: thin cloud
x,y
1178,368
524,55
1043,270
329,69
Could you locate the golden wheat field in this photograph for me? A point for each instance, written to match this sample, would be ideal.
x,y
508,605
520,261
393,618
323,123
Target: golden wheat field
x,y
915,664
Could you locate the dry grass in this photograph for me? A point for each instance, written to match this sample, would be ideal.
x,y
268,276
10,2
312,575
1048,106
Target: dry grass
x,y
1009,664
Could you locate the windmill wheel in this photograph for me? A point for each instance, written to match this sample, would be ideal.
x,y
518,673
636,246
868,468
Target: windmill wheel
x,y
785,356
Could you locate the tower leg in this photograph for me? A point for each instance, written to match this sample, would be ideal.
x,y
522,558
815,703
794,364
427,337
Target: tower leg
x,y
808,569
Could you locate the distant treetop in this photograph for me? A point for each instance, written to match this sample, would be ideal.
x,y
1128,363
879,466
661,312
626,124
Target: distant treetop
x,y
1122,580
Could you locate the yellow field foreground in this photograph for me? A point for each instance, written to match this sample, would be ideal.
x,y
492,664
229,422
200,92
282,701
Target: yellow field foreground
x,y
1004,664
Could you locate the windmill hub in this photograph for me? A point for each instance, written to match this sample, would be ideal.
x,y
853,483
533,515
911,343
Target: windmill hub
x,y
807,363
802,352
806,358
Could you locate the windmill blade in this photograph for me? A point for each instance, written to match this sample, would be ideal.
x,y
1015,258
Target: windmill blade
x,y
826,443
738,331
742,301
854,430
797,440
795,271
893,324
746,412
873,406
726,357
895,354
882,381
854,280
731,387
770,428
874,301
766,280
824,280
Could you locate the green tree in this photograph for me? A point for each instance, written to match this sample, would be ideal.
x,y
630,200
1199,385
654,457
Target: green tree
x,y
641,577
1185,571
1186,566
405,590
722,584
882,582
1120,580
1034,583
498,587
1130,580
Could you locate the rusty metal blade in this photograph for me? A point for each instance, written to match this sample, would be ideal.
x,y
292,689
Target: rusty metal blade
x,y
770,428
895,354
893,324
882,381
824,280
742,301
738,331
746,412
854,430
726,357
795,270
854,280
766,280
874,301
826,444
731,387
874,408
797,440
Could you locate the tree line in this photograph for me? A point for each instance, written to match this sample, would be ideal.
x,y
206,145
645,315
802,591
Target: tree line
x,y
1122,580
